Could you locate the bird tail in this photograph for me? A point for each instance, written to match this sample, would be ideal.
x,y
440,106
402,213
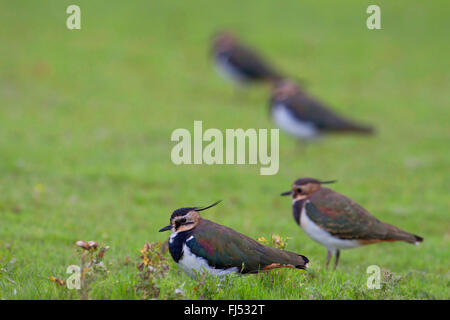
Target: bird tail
x,y
397,234
298,261
410,238
417,240
356,128
278,258
304,263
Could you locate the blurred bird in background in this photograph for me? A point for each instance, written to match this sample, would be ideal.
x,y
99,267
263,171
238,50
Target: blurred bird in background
x,y
240,64
302,116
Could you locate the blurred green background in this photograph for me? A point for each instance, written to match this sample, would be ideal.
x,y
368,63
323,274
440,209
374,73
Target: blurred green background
x,y
86,117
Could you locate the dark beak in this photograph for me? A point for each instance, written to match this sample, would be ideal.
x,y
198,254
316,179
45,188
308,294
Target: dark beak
x,y
166,228
287,193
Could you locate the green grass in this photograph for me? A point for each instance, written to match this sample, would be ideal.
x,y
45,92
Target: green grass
x,y
86,118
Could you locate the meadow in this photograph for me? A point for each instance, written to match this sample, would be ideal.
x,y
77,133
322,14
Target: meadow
x,y
86,118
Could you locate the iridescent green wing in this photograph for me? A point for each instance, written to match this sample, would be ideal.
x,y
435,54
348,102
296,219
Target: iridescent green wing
x,y
343,218
225,248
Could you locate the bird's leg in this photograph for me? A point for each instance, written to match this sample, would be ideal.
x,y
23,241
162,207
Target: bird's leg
x,y
328,258
336,261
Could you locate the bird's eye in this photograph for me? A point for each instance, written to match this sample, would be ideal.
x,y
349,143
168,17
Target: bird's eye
x,y
299,190
182,220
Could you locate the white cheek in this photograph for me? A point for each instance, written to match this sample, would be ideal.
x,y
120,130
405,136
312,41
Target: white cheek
x,y
172,236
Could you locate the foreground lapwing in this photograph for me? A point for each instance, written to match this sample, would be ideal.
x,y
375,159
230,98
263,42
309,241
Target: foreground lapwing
x,y
200,245
337,222
239,63
302,116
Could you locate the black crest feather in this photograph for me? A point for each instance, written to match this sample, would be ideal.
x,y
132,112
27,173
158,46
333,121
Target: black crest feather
x,y
184,211
210,206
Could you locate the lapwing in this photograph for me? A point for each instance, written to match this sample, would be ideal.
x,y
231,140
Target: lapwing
x,y
302,116
198,245
240,64
336,221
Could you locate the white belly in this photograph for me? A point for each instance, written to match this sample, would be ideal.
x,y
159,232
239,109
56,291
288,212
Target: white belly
x,y
191,264
229,72
323,237
287,121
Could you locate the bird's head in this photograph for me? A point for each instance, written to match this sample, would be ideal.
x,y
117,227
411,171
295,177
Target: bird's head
x,y
223,40
284,89
304,187
184,219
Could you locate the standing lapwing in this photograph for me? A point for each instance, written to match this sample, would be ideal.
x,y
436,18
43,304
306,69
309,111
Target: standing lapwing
x,y
336,221
239,63
300,115
200,245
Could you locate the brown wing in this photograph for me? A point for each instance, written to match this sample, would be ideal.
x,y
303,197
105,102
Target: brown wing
x,y
345,219
309,110
252,64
